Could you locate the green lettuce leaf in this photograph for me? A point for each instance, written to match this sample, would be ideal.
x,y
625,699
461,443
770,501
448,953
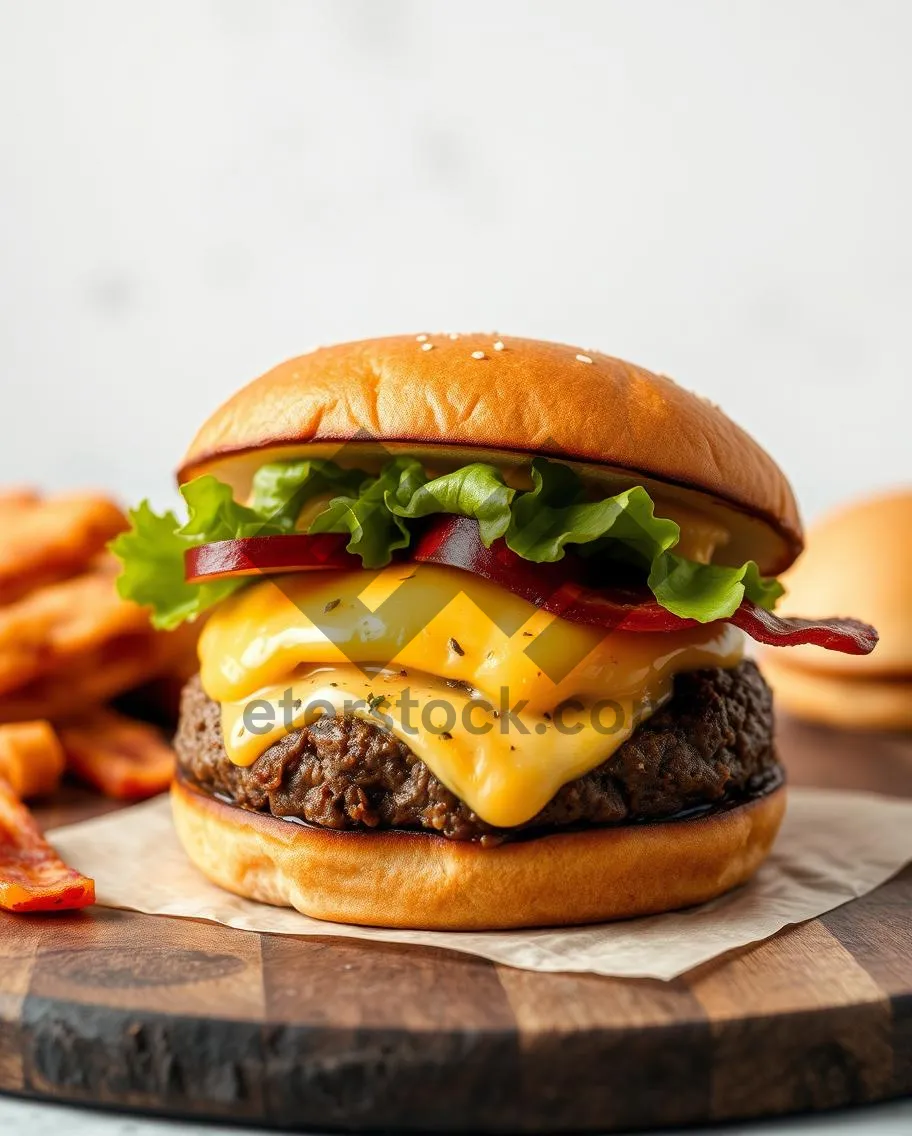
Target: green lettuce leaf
x,y
281,489
537,525
152,553
554,514
375,532
213,514
152,550
624,527
477,490
709,591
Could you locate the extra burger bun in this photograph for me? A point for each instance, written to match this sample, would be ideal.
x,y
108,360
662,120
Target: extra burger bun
x,y
432,395
857,561
835,700
415,880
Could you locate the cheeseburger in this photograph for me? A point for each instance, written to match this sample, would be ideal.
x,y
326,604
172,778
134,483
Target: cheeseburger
x,y
475,611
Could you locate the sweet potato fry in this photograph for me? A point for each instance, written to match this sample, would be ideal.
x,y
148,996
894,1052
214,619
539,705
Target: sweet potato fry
x,y
50,539
123,758
93,677
57,624
15,499
31,758
32,875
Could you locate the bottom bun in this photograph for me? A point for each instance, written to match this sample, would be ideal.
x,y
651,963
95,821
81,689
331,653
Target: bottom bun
x,y
403,879
836,700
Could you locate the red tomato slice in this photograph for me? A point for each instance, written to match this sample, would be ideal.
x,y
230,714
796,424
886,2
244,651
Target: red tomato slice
x,y
455,541
262,555
32,875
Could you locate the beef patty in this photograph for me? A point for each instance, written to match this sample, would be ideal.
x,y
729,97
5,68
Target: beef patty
x,y
710,744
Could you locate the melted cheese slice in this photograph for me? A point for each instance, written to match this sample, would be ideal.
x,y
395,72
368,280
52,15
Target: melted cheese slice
x,y
505,703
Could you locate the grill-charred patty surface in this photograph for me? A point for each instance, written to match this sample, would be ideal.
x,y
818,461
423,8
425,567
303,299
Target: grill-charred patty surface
x,y
710,744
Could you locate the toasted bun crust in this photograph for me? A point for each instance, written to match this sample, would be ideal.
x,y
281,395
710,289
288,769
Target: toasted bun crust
x,y
850,703
857,561
397,879
528,397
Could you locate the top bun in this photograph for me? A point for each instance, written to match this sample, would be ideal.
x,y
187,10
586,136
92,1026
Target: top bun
x,y
463,393
857,561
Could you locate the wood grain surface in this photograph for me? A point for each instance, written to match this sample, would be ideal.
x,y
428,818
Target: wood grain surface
x,y
192,1019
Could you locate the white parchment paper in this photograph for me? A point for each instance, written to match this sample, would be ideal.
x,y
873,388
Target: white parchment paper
x,y
833,847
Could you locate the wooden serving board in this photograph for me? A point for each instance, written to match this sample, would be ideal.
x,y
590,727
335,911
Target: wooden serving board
x,y
192,1019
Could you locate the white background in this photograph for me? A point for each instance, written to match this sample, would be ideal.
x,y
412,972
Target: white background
x,y
192,190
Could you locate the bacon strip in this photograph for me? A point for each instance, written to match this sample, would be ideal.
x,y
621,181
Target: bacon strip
x,y
850,636
32,875
454,541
